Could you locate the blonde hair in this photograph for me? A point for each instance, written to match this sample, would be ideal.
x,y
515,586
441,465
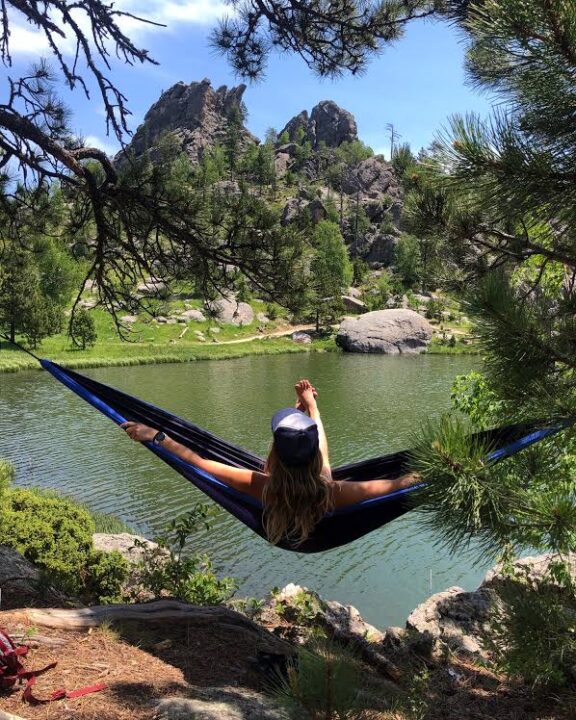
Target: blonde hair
x,y
295,498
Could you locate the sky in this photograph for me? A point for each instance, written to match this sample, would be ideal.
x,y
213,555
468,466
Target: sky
x,y
415,84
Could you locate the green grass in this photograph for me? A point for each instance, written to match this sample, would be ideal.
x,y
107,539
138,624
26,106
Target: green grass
x,y
154,343
438,347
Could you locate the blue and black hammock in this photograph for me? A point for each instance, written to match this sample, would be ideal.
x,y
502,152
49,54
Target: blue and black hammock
x,y
337,528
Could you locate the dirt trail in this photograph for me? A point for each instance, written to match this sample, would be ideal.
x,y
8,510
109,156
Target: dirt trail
x,y
261,336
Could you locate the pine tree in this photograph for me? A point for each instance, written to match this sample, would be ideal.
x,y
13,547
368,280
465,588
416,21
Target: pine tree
x,y
331,272
502,193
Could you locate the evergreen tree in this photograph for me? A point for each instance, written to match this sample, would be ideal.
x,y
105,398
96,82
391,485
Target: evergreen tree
x,y
37,274
502,193
30,302
82,330
331,272
233,139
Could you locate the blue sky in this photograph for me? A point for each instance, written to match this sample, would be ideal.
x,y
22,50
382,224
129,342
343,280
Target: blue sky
x,y
415,84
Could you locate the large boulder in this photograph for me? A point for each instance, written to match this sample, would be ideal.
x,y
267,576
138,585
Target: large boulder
x,y
455,617
461,619
392,332
230,311
196,115
296,206
220,703
131,547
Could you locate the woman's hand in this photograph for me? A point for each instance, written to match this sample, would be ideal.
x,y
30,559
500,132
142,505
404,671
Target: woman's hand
x,y
139,432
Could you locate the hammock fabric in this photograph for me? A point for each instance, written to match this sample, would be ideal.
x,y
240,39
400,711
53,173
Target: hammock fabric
x,y
336,529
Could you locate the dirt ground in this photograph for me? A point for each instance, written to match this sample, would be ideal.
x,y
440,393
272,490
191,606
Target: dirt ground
x,y
139,662
142,663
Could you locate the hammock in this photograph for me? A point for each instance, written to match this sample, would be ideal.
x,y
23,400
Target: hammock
x,y
337,528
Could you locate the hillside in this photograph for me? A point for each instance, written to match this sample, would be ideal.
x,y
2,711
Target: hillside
x,y
320,167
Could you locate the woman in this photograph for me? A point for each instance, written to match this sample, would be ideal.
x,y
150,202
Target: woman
x,y
296,486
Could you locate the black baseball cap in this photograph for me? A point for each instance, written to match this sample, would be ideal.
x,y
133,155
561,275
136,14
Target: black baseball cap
x,y
295,436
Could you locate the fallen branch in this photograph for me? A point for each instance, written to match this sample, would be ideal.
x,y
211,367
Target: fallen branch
x,y
155,611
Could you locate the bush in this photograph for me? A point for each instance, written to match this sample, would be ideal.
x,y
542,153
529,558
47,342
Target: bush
x,y
166,571
51,532
105,575
6,477
435,308
55,534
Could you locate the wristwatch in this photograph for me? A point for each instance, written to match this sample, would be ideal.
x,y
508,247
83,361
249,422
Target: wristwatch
x,y
158,438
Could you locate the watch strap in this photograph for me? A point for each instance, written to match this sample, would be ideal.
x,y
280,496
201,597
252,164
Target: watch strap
x,y
159,437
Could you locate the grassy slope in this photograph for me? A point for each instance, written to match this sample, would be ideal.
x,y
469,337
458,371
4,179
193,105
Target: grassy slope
x,y
154,343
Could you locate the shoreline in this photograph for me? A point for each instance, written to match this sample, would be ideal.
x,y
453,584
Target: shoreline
x,y
20,362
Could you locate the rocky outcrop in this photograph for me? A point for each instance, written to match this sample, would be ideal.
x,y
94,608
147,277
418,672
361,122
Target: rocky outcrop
x,y
454,617
328,124
373,185
132,547
372,178
459,619
297,206
196,115
375,248
296,127
20,578
391,332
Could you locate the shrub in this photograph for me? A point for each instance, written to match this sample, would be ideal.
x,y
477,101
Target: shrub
x,y
435,308
51,532
105,575
166,571
6,477
55,534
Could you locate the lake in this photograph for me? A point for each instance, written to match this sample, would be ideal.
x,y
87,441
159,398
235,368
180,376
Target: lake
x,y
370,404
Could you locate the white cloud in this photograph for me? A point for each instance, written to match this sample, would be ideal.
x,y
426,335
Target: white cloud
x,y
25,41
108,146
172,13
381,150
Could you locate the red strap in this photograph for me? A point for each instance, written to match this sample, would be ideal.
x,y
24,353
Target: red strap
x,y
60,694
86,690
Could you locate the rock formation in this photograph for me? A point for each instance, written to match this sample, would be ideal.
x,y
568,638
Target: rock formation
x,y
195,114
376,248
391,332
328,123
229,310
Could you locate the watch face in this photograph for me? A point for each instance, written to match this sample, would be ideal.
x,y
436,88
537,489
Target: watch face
x,y
159,437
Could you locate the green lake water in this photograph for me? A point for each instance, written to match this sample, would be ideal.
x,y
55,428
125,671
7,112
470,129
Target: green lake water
x,y
371,405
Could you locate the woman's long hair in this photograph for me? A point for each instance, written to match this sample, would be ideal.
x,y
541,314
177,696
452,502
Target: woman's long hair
x,y
295,498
